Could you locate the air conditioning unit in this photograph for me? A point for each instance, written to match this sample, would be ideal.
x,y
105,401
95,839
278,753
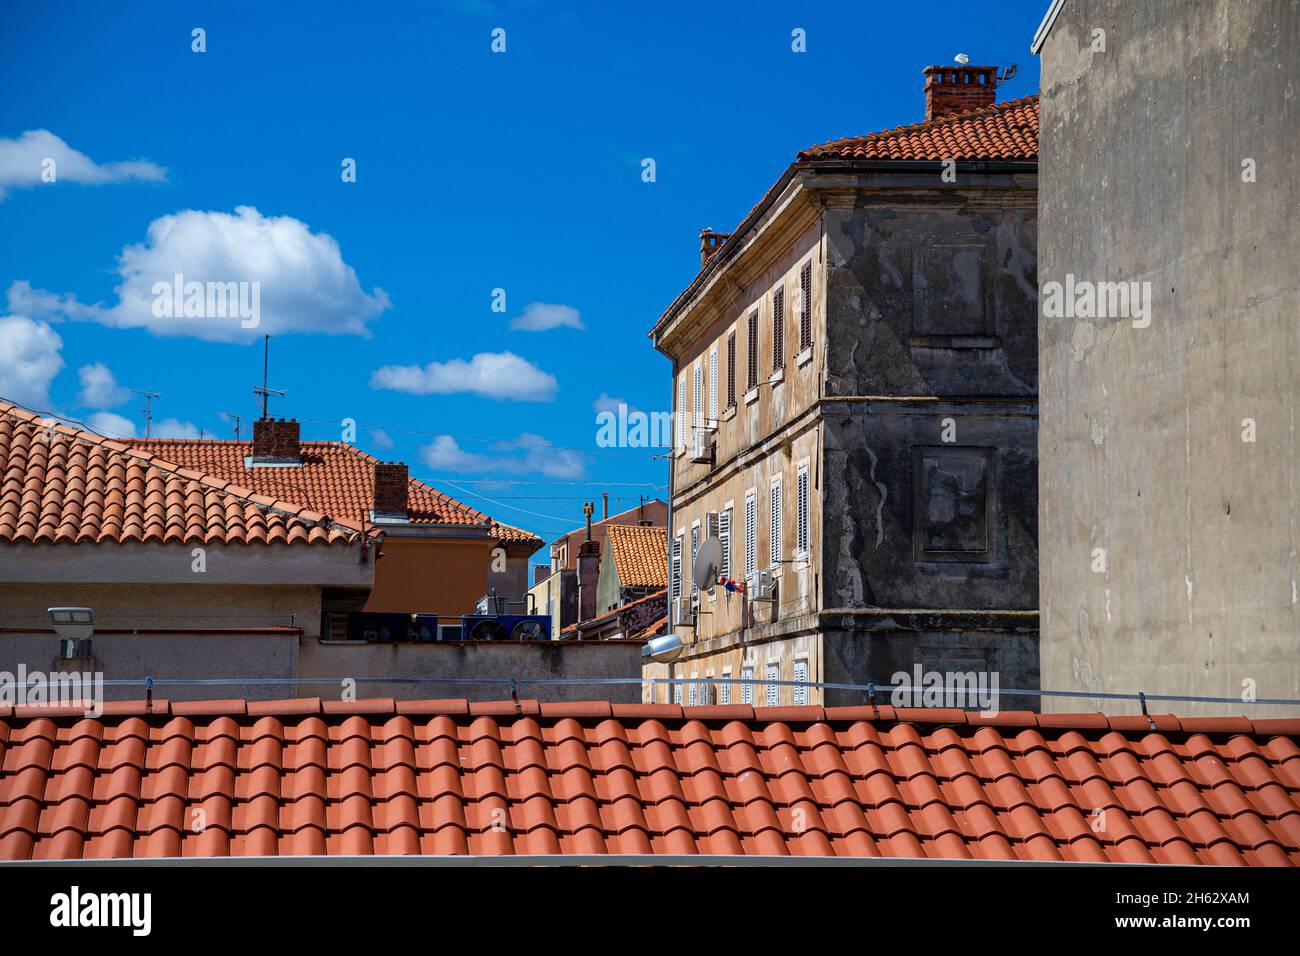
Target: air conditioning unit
x,y
702,446
764,586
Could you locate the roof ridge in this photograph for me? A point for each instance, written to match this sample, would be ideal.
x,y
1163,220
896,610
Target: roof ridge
x,y
800,715
150,460
925,125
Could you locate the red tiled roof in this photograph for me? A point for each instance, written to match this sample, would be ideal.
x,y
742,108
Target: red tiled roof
x,y
335,477
434,777
62,484
640,554
1004,131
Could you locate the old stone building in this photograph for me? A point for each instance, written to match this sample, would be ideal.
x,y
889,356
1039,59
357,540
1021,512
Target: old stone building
x,y
1170,505
856,397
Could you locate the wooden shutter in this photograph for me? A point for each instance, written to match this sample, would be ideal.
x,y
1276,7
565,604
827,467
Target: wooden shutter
x,y
731,370
773,691
713,385
774,525
801,511
805,306
801,691
778,329
752,379
751,533
724,535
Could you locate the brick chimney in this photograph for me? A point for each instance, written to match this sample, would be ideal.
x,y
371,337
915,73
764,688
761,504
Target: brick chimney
x,y
391,486
588,576
540,573
955,89
710,242
276,440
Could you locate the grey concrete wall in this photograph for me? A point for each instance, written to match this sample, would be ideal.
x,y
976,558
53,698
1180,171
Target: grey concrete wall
x,y
167,656
179,606
522,660
1141,442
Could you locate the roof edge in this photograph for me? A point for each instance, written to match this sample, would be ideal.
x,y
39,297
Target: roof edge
x,y
1044,28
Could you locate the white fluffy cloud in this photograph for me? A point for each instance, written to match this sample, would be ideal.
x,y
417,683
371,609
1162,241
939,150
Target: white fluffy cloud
x,y
24,163
499,375
607,403
379,438
119,426
29,359
527,454
111,424
280,276
99,388
541,316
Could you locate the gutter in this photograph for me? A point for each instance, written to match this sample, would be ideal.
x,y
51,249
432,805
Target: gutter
x,y
1044,28
468,861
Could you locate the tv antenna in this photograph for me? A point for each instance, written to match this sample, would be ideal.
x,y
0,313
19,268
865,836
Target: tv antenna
x,y
148,408
262,390
238,419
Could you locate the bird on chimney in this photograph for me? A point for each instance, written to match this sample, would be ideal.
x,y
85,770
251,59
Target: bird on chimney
x,y
962,58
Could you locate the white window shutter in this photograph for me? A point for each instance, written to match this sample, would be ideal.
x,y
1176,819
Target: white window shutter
x,y
681,411
751,535
695,548
801,511
775,525
724,535
773,691
699,395
747,690
801,691
724,689
676,570
713,385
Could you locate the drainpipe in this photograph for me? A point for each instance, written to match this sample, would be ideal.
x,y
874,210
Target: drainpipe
x,y
668,538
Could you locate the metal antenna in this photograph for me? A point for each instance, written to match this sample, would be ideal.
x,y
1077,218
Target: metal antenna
x,y
148,408
238,419
263,390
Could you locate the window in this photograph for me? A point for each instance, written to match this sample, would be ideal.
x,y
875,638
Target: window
x,y
724,536
751,534
695,547
774,539
705,697
731,370
778,329
713,385
677,694
747,689
724,689
690,697
773,689
801,690
805,306
801,512
752,378
675,572
681,412
699,395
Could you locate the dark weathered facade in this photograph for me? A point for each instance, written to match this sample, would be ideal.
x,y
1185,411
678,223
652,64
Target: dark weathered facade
x,y
885,461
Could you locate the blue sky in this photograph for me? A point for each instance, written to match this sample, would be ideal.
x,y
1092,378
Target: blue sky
x,y
475,171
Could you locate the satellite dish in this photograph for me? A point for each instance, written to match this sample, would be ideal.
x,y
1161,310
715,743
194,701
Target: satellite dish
x,y
707,563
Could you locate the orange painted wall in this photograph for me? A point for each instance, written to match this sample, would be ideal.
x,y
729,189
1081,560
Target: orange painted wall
x,y
433,575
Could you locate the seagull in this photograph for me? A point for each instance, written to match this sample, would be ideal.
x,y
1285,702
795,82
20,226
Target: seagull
x,y
962,58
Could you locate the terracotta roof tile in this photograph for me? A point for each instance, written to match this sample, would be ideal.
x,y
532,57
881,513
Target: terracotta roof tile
x,y
1004,131
640,554
442,777
335,478
60,484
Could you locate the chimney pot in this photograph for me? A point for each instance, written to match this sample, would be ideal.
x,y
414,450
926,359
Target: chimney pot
x,y
956,89
391,488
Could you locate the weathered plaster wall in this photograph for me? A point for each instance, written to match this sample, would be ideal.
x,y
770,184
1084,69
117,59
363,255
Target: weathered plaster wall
x,y
1141,442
